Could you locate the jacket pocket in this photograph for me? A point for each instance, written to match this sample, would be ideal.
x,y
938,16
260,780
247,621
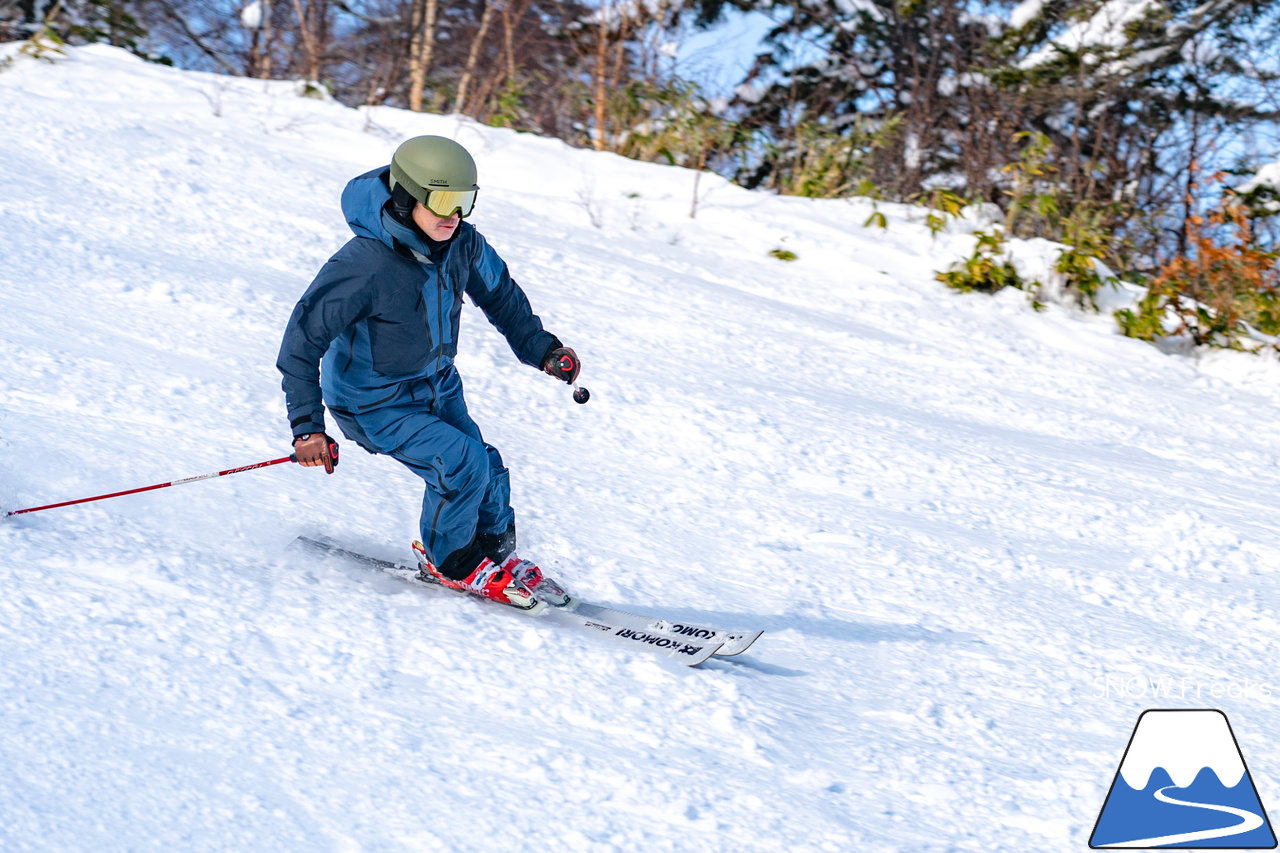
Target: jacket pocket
x,y
399,347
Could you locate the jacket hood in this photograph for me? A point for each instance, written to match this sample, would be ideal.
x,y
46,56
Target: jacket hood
x,y
362,203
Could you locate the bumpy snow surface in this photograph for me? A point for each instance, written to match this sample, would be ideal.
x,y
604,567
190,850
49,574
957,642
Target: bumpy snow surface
x,y
980,539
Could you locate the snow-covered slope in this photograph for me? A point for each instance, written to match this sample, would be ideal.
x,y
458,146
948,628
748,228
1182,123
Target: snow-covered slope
x,y
974,534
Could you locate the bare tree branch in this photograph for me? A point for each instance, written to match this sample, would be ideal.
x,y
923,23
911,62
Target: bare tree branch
x,y
175,18
368,19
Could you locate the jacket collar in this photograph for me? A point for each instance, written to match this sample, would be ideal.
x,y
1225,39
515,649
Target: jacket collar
x,y
423,249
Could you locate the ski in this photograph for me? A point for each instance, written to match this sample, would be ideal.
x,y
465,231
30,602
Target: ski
x,y
731,642
689,645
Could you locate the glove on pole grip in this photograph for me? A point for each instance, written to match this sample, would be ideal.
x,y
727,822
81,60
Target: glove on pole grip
x,y
563,364
329,457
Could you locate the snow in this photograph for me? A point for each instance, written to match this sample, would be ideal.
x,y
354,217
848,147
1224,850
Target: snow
x,y
948,85
860,7
251,16
1106,28
1025,12
749,93
981,539
1267,177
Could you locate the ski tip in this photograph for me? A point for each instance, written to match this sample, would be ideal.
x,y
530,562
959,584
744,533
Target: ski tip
x,y
312,543
737,642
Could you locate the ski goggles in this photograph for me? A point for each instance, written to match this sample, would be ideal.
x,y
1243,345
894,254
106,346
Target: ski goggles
x,y
445,203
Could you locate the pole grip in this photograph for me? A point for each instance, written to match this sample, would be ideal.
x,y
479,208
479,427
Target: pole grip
x,y
331,462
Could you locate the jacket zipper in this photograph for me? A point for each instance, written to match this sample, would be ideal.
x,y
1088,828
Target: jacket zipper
x,y
377,403
351,350
440,304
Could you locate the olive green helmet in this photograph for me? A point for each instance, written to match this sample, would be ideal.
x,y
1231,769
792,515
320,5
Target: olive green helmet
x,y
436,171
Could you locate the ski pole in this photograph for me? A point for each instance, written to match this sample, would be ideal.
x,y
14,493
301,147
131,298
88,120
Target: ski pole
x,y
255,466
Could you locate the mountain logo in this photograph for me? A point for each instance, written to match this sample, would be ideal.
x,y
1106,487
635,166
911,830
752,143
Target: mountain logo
x,y
1182,783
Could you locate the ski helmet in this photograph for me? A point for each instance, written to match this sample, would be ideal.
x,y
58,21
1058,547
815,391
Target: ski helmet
x,y
437,172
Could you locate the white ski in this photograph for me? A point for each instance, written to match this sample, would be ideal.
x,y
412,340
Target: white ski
x,y
689,645
731,642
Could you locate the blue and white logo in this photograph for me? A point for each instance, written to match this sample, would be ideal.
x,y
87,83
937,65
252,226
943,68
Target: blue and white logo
x,y
1183,783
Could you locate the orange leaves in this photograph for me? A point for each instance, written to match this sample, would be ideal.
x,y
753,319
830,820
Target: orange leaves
x,y
1223,288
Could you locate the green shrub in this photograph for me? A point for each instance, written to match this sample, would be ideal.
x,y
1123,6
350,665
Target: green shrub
x,y
44,44
943,204
983,271
1146,323
1041,206
877,218
1087,242
507,106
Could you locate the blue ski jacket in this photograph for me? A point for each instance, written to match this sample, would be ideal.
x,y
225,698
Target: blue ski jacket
x,y
382,314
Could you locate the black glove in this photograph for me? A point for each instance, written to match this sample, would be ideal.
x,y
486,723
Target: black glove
x,y
562,363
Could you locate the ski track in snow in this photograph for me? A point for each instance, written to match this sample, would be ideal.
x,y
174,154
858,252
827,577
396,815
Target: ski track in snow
x,y
953,516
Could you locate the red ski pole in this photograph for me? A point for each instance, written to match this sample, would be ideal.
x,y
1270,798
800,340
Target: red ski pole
x,y
333,449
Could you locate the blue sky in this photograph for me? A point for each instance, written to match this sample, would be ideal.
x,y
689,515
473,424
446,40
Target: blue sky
x,y
719,58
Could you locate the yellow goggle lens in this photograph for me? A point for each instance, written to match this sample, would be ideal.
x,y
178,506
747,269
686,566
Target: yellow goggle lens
x,y
446,202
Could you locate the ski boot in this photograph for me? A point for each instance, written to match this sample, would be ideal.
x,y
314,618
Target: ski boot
x,y
531,578
488,580
500,547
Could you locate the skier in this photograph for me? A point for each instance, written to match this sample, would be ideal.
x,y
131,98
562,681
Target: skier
x,y
374,338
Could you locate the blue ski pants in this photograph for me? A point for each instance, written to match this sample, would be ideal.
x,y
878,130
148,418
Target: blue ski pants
x,y
427,428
